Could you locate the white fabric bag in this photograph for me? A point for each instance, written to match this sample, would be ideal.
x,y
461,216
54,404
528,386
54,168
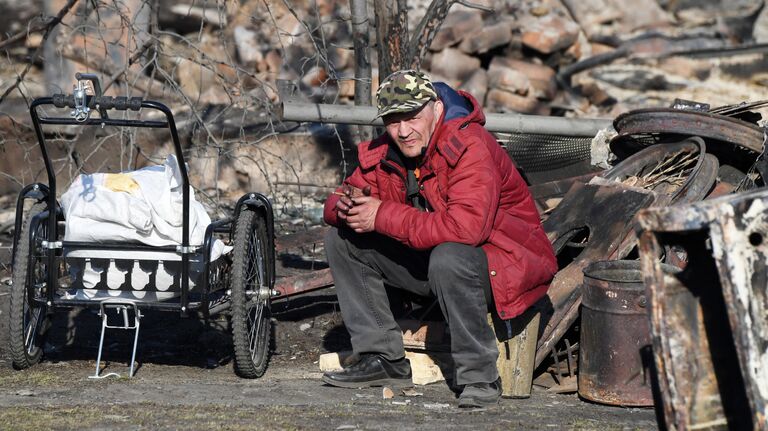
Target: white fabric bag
x,y
143,205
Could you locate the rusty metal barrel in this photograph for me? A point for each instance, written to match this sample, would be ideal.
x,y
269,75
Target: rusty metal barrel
x,y
615,349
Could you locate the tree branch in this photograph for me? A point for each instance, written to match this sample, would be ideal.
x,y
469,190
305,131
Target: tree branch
x,y
391,35
47,26
103,64
474,6
429,26
426,30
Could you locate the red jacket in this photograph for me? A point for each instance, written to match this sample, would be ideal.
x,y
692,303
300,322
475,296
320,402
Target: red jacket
x,y
478,198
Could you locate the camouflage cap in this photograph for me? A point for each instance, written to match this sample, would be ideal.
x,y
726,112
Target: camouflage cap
x,y
404,91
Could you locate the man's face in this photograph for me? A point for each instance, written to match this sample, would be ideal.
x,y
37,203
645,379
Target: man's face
x,y
411,131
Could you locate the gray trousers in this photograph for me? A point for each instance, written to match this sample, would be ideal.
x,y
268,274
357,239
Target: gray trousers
x,y
457,274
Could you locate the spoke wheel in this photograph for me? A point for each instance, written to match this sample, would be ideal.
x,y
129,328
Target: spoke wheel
x,y
28,322
250,311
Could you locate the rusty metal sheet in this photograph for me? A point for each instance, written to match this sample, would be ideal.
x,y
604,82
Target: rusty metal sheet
x,y
607,214
548,195
603,210
294,285
709,322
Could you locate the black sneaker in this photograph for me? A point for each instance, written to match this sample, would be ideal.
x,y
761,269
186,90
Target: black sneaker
x,y
478,395
372,370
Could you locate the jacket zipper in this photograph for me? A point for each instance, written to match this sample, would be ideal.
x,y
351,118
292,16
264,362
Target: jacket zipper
x,y
419,181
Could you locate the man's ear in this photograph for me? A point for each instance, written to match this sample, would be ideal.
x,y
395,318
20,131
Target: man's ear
x,y
439,107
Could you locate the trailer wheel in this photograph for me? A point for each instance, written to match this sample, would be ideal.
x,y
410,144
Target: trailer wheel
x,y
250,295
29,322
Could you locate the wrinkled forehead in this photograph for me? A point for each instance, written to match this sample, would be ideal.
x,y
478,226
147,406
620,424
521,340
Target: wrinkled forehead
x,y
397,117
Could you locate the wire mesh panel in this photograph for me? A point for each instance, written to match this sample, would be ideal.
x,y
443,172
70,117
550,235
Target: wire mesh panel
x,y
547,157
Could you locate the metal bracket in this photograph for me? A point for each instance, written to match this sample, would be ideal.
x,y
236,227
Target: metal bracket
x,y
121,307
51,245
186,250
262,294
81,112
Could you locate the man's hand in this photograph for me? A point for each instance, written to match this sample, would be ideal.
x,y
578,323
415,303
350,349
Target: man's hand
x,y
343,205
354,192
361,217
345,202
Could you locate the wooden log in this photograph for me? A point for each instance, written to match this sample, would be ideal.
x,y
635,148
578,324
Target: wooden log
x,y
333,361
429,367
431,336
516,340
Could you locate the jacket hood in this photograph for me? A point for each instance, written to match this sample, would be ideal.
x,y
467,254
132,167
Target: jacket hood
x,y
455,105
459,105
460,109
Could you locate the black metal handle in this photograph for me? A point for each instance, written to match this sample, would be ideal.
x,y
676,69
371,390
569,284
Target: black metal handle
x,y
94,81
120,103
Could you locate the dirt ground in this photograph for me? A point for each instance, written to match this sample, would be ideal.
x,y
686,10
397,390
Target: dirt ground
x,y
186,381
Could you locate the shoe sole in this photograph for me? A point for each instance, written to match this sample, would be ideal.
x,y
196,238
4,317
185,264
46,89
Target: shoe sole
x,y
477,406
478,403
397,383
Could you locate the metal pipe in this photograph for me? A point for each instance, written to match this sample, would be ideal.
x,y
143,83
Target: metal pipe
x,y
497,123
53,235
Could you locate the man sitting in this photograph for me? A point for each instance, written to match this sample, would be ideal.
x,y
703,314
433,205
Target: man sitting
x,y
436,207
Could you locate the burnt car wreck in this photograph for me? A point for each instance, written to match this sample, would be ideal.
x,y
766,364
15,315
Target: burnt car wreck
x,y
709,320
